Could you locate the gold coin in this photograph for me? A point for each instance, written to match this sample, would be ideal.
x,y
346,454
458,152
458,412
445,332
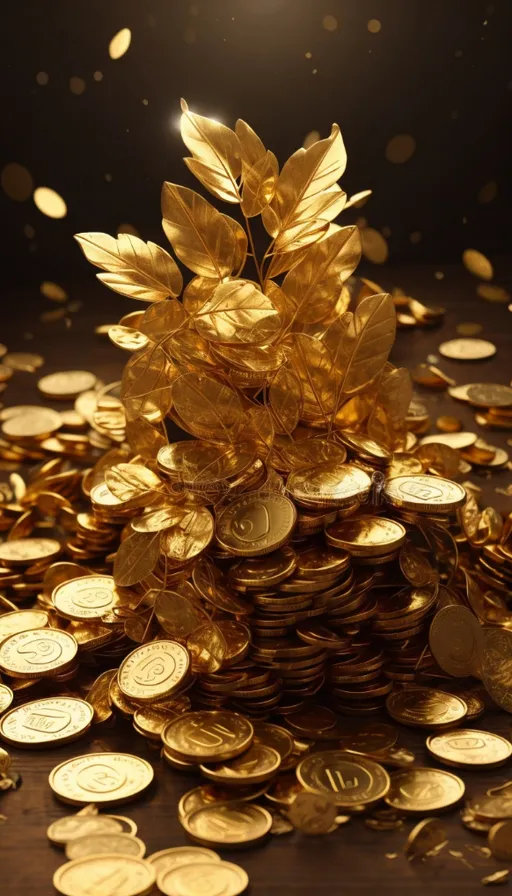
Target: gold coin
x,y
151,721
424,494
366,448
313,813
22,621
425,708
424,790
446,423
229,824
118,875
467,349
106,778
263,572
366,535
497,807
274,736
47,722
213,793
6,697
373,737
168,859
208,736
424,837
215,878
466,747
105,842
457,641
25,551
350,780
490,395
201,462
500,841
32,423
86,597
455,440
330,484
258,763
256,523
153,671
68,828
37,654
321,561
28,361
66,384
497,657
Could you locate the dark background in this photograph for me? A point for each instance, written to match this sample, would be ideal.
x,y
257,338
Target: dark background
x,y
440,70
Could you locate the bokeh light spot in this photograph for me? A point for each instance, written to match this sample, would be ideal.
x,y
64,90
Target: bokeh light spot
x,y
50,203
17,182
120,43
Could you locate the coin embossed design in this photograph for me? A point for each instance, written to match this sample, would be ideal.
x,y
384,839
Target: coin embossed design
x,y
117,875
213,878
467,747
349,780
256,524
153,671
424,493
205,736
330,484
228,824
37,654
106,778
497,666
426,708
47,722
457,641
424,790
86,597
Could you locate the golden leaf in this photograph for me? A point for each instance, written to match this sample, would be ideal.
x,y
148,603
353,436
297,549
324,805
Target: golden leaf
x,y
258,359
283,303
298,236
209,409
190,536
197,293
178,615
129,481
251,147
136,269
368,341
326,205
312,452
314,366
380,427
285,398
190,351
270,220
259,426
145,388
127,338
207,647
145,439
198,233
136,558
162,318
353,412
314,283
217,153
197,462
214,179
260,185
285,261
358,197
159,518
238,313
240,251
394,394
306,174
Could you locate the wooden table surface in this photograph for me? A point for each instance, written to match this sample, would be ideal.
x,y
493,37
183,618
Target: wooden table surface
x,y
352,860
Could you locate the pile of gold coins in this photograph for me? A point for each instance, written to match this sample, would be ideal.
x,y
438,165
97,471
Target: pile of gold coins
x,y
258,598
102,847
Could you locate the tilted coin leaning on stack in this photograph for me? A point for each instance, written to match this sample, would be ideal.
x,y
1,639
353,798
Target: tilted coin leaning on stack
x,y
274,580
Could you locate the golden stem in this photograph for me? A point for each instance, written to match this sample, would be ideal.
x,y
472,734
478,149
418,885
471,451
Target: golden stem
x,y
253,250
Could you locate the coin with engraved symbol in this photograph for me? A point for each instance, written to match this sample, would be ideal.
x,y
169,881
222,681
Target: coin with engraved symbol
x,y
106,778
46,722
469,748
214,878
229,824
426,708
424,494
256,523
330,484
37,654
153,671
351,781
87,597
125,876
424,790
457,641
208,736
